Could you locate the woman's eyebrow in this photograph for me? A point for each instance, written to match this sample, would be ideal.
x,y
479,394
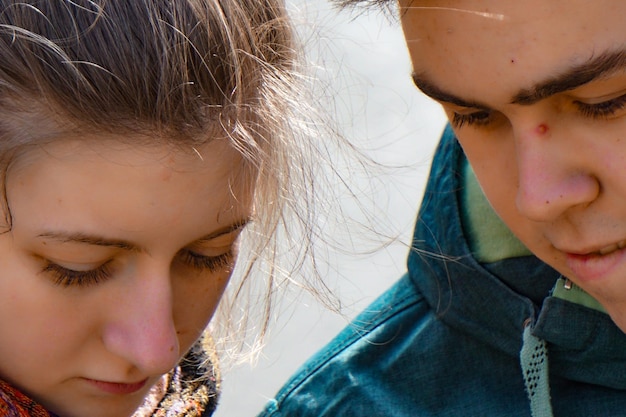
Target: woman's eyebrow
x,y
573,77
90,239
226,230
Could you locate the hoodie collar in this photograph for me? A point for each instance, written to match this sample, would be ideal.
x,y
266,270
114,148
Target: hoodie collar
x,y
493,301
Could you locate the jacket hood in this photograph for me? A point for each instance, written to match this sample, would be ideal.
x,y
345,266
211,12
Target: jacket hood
x,y
494,302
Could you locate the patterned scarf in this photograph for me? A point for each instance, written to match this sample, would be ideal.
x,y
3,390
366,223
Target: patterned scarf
x,y
13,403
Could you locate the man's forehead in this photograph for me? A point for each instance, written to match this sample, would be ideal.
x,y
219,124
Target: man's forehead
x,y
525,57
556,12
458,7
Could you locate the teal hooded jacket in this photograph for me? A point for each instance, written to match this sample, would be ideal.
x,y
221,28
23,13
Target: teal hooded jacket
x,y
456,336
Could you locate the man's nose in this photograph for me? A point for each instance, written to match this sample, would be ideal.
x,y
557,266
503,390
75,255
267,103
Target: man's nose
x,y
550,178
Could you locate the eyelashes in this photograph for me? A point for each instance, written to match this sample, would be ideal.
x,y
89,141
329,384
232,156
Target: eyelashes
x,y
210,263
484,118
603,109
66,277
479,118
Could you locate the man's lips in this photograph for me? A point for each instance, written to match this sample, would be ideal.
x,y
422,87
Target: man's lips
x,y
589,265
597,249
119,388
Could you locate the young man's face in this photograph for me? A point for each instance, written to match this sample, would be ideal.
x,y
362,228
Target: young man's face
x,y
536,92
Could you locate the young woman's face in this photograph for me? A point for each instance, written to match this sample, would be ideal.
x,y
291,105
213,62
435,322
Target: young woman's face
x,y
114,264
536,91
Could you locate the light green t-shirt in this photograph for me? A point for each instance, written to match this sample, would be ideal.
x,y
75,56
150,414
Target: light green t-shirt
x,y
490,240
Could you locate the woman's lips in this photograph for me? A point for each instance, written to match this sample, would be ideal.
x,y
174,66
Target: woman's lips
x,y
599,264
117,388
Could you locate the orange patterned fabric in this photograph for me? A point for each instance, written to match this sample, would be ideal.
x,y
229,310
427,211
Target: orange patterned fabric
x,y
13,403
190,390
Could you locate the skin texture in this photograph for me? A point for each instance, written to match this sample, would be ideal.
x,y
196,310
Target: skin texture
x,y
536,91
156,227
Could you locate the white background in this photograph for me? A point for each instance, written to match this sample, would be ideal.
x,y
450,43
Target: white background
x,y
364,59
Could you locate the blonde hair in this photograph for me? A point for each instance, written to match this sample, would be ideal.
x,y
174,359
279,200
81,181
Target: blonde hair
x,y
176,68
387,4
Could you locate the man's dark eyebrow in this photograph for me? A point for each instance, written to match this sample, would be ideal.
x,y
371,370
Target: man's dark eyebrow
x,y
570,79
574,77
436,93
72,237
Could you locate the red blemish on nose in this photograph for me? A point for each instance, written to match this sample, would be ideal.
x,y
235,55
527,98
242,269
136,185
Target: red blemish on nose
x,y
542,129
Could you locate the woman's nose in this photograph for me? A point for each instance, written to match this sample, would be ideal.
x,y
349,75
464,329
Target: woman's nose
x,y
142,329
551,177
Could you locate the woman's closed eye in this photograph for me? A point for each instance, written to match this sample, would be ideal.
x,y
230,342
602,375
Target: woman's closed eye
x,y
66,277
209,263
